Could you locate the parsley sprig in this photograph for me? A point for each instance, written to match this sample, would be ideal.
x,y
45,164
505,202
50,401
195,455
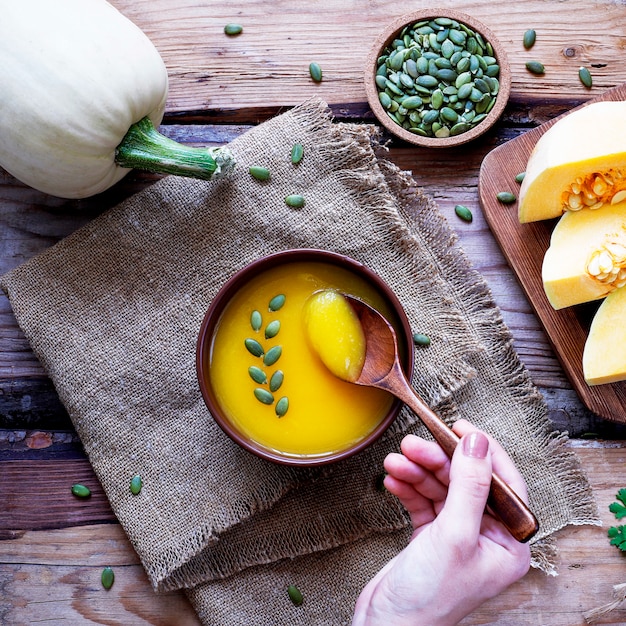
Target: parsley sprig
x,y
617,534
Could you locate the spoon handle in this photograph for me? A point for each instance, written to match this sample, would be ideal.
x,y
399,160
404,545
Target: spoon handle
x,y
503,501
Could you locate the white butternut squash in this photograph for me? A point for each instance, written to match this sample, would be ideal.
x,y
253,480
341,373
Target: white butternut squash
x,y
82,90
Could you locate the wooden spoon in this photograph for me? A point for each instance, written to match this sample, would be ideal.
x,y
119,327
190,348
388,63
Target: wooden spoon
x,y
382,369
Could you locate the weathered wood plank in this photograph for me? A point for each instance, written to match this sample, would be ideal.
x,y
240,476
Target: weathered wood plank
x,y
54,575
267,65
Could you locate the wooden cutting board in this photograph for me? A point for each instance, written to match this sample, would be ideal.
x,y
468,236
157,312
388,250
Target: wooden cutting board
x,y
524,246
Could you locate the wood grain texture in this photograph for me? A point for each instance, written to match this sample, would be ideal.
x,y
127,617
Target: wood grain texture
x,y
266,67
53,576
524,246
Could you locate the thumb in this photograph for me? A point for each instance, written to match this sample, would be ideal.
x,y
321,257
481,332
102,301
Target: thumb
x,y
470,481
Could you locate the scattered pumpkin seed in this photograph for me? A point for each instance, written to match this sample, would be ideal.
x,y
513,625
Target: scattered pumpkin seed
x,y
295,595
80,491
419,339
107,577
263,395
276,380
136,483
273,354
520,177
297,152
233,29
282,406
506,197
316,72
535,67
295,201
257,374
254,347
258,172
585,77
530,36
256,320
463,212
277,302
272,329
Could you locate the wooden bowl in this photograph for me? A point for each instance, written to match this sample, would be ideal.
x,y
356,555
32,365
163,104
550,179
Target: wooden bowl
x,y
216,311
387,37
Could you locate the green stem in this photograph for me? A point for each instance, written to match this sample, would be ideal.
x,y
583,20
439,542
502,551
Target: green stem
x,y
145,148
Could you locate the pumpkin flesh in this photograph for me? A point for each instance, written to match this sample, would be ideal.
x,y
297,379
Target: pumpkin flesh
x,y
586,259
580,160
604,356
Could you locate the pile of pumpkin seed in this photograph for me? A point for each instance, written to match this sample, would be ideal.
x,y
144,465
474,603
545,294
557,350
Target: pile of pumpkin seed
x,y
438,78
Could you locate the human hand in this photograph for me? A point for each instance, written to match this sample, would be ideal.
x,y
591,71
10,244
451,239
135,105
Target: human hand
x,y
459,555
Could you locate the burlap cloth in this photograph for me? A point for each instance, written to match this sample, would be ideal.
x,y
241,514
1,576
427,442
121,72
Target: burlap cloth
x,y
113,312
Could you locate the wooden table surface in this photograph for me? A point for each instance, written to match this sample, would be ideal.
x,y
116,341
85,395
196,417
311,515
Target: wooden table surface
x,y
52,549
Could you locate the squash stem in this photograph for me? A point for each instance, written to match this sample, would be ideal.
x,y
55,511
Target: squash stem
x,y
145,148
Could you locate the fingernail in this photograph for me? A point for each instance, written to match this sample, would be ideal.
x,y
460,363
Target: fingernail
x,y
475,445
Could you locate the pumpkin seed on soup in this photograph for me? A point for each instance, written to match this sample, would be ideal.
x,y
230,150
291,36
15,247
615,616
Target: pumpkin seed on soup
x,y
254,347
257,374
272,329
272,355
263,395
276,380
282,406
277,302
256,320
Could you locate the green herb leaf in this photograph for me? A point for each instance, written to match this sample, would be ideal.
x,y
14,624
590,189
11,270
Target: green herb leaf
x,y
617,535
619,508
